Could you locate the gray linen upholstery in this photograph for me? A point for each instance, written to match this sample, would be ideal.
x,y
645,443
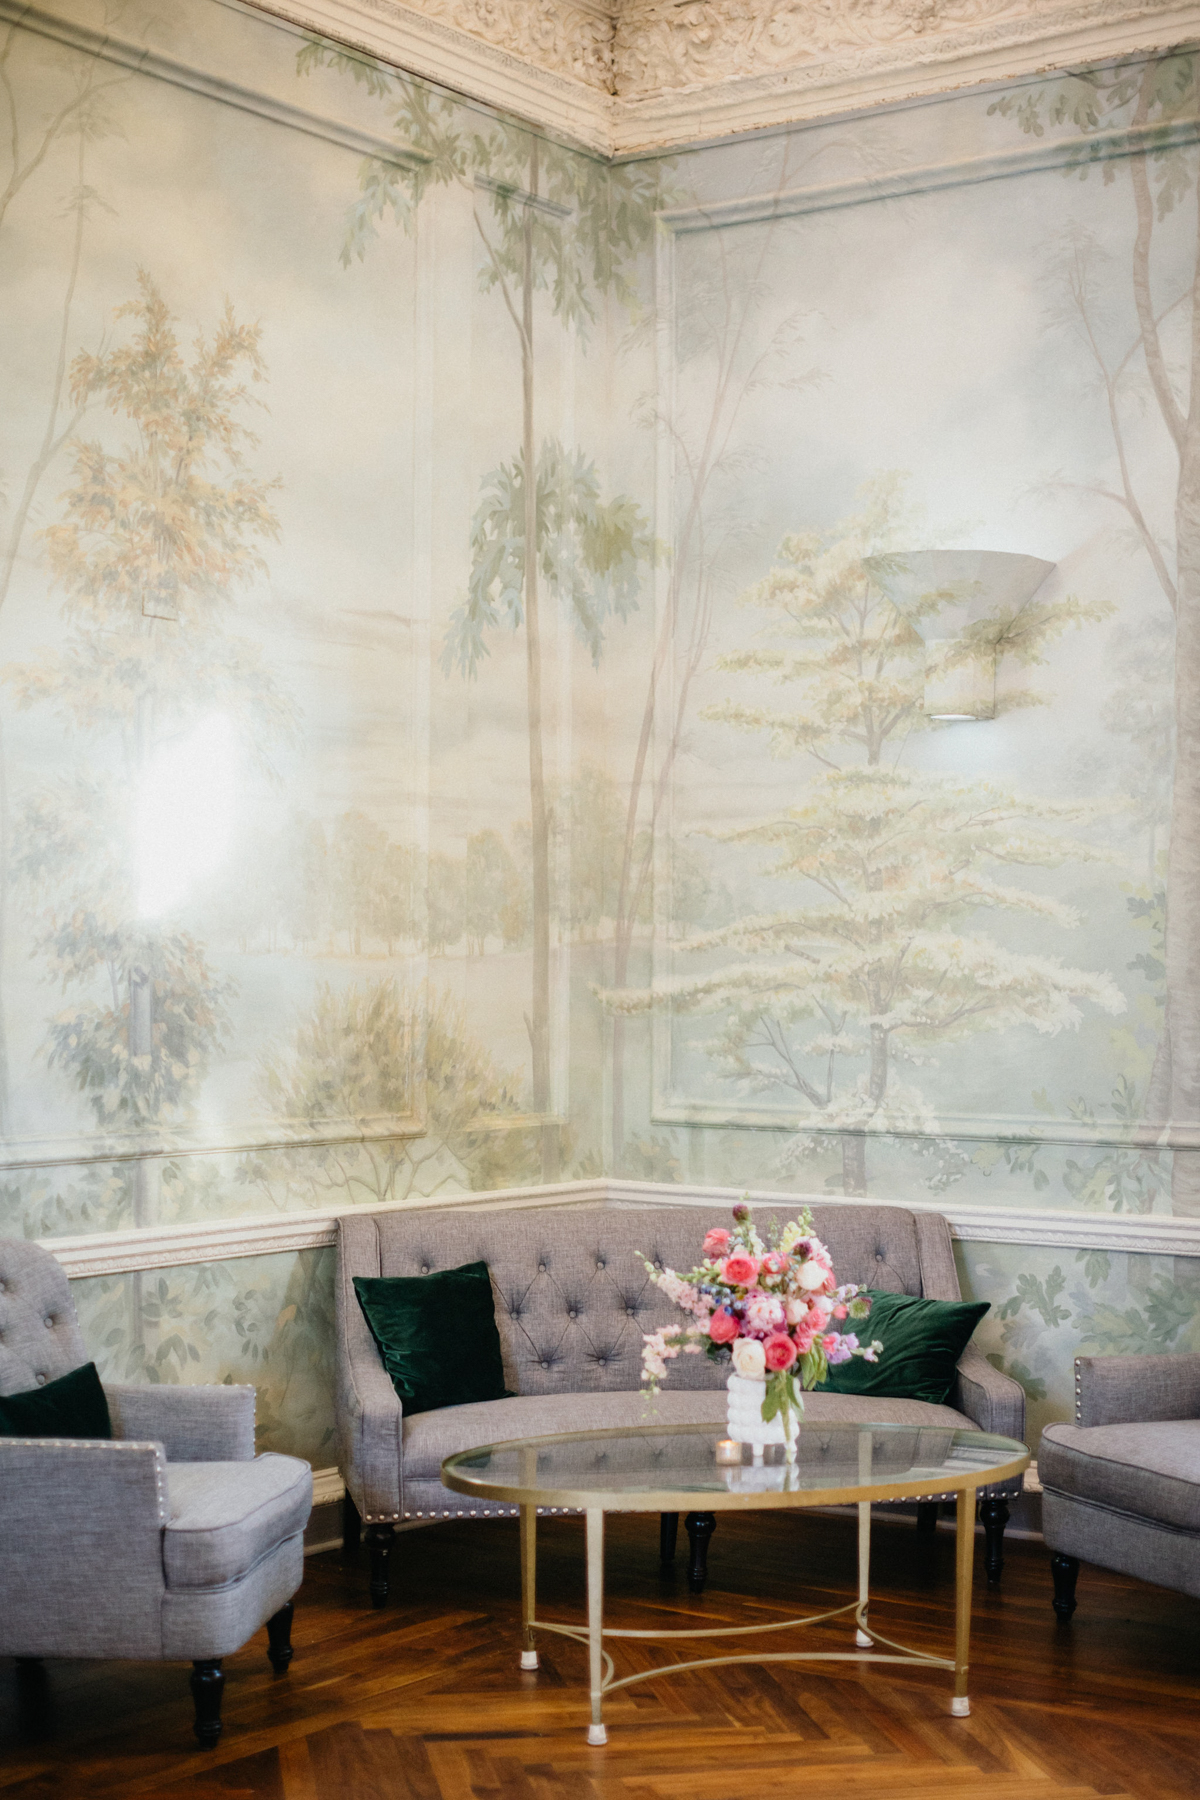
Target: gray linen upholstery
x,y
572,1305
1152,1471
193,1424
222,1518
1121,1488
1112,1389
39,1333
171,1541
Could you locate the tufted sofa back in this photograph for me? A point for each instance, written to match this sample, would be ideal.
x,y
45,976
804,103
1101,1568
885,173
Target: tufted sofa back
x,y
39,1333
572,1297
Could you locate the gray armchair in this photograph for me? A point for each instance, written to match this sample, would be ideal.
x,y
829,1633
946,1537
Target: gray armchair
x,y
171,1541
1121,1487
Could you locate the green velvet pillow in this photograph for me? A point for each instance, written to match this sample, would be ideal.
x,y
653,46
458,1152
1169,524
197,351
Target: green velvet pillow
x,y
436,1334
922,1342
74,1406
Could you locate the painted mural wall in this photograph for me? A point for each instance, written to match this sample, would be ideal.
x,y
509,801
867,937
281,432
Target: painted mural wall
x,y
351,854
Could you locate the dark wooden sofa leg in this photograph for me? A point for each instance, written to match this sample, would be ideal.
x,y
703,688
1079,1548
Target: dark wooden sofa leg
x,y
279,1638
668,1534
1065,1570
351,1526
208,1684
379,1543
699,1527
927,1515
994,1516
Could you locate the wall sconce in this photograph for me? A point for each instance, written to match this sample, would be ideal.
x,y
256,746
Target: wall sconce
x,y
961,603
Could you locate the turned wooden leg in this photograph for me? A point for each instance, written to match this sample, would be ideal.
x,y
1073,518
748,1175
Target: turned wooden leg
x,y
379,1543
994,1515
351,1526
279,1637
207,1684
1065,1570
927,1515
699,1527
668,1533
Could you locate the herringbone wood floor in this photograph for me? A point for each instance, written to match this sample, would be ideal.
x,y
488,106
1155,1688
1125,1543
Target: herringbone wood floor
x,y
425,1702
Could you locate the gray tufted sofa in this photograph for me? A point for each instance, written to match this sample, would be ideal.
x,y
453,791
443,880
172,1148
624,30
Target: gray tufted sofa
x,y
172,1541
572,1304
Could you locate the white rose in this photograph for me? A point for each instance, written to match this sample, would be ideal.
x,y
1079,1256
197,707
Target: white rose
x,y
749,1359
811,1275
796,1310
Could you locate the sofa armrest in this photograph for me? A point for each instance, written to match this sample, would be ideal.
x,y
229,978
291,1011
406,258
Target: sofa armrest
x,y
193,1424
1115,1390
371,1429
81,1570
992,1401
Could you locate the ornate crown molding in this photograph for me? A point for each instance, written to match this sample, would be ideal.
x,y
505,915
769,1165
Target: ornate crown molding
x,y
622,76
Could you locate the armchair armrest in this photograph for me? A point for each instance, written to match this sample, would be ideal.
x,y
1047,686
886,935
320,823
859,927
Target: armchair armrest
x,y
371,1429
81,1570
193,1424
1115,1390
992,1401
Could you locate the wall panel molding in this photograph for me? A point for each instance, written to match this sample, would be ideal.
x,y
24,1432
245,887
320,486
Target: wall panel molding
x,y
262,1234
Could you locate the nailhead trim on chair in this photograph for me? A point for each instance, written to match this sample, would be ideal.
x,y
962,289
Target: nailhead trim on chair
x,y
107,1444
1078,1393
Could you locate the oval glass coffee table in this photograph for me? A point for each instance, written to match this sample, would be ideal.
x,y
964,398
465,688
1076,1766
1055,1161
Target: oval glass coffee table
x,y
668,1469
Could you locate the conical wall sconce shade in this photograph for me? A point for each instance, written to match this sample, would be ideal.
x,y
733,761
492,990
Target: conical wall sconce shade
x,y
960,602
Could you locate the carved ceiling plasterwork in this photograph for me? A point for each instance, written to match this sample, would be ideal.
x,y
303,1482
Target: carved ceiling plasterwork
x,y
627,75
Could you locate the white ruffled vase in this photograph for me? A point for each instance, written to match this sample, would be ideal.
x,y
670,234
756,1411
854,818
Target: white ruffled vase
x,y
746,1423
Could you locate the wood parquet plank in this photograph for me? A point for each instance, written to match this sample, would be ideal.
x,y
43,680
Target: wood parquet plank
x,y
424,1701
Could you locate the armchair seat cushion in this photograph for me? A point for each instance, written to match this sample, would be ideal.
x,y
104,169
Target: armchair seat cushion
x,y
223,1517
432,1436
1151,1471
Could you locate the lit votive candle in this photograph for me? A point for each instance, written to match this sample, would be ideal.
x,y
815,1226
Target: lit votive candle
x,y
728,1450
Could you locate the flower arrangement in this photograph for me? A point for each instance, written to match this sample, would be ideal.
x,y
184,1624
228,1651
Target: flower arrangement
x,y
774,1309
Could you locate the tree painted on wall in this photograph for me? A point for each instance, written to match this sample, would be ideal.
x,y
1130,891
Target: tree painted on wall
x,y
159,531
875,954
1150,97
559,231
375,1052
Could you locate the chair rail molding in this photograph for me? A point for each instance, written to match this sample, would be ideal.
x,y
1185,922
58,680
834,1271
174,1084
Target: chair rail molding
x,y
269,1234
628,76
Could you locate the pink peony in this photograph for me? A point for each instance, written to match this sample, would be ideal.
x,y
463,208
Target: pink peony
x,y
723,1327
716,1241
764,1312
779,1351
805,1332
739,1270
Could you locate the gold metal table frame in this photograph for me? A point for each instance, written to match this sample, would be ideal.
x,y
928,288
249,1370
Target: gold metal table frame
x,y
526,1493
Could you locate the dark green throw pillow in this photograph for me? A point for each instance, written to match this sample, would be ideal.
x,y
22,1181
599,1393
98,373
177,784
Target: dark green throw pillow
x,y
74,1406
922,1342
436,1334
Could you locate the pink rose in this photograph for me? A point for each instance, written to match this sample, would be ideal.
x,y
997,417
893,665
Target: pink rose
x,y
716,1241
739,1270
773,1263
723,1327
779,1351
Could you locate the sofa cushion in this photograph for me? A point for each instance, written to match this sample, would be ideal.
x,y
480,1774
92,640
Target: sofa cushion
x,y
1149,1470
431,1437
922,1342
436,1334
223,1516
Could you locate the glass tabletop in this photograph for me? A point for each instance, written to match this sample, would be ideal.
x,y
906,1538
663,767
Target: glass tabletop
x,y
644,1468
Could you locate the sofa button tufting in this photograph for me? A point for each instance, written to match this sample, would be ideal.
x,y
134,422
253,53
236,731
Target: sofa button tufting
x,y
602,1360
48,1322
541,1268
545,1362
424,1268
41,1381
571,1313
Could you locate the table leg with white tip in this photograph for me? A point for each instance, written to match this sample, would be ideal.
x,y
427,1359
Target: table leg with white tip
x,y
529,1655
960,1705
595,1571
865,1448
